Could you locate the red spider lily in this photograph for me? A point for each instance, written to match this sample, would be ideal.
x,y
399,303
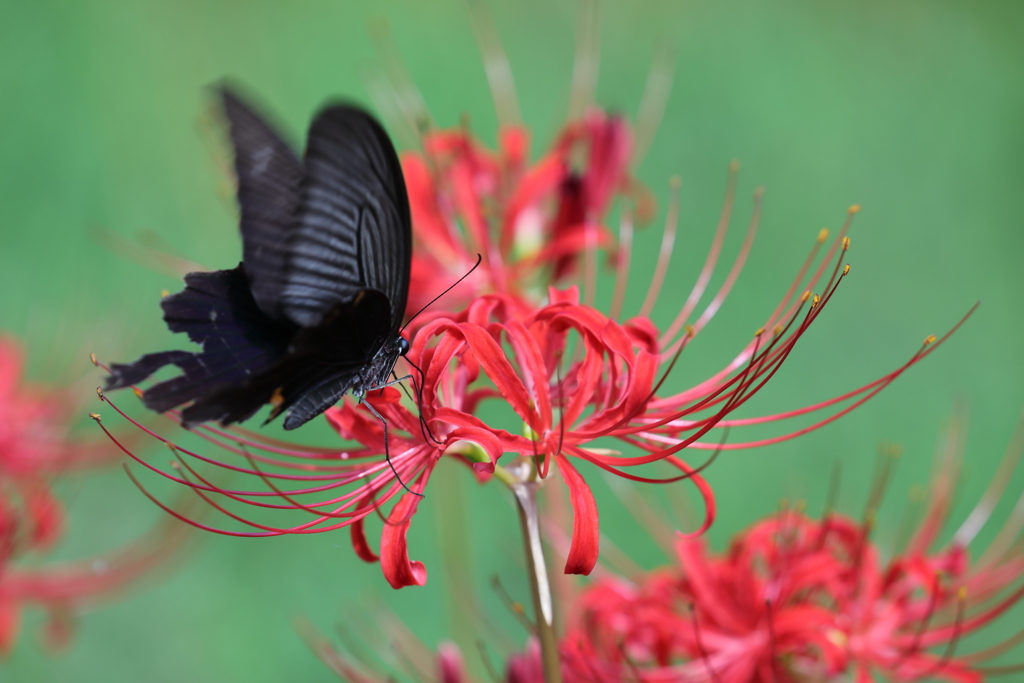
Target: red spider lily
x,y
36,444
530,223
461,195
797,599
36,421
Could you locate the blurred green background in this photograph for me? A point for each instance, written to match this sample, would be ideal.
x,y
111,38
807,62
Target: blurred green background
x,y
913,109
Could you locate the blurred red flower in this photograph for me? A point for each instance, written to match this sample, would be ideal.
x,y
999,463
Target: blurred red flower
x,y
796,599
37,443
529,223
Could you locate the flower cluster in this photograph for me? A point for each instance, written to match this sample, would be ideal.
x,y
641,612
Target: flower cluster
x,y
36,445
798,599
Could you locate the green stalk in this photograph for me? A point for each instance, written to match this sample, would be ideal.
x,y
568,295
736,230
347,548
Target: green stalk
x,y
543,609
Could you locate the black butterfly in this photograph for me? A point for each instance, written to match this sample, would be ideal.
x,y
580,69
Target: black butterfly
x,y
313,311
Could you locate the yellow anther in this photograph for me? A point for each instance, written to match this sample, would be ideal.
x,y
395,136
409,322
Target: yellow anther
x,y
164,293
777,330
846,270
815,300
854,209
806,295
99,392
734,166
759,332
95,416
895,450
929,339
675,182
689,331
846,243
518,608
138,392
961,594
92,357
822,235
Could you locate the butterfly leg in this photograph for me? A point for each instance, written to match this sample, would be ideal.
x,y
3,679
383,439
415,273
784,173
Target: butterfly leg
x,y
387,451
397,380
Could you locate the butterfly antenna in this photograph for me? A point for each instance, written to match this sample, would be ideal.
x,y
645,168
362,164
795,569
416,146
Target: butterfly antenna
x,y
387,450
479,258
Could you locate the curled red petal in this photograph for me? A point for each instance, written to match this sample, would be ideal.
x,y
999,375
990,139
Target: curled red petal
x,y
501,373
586,530
360,544
398,569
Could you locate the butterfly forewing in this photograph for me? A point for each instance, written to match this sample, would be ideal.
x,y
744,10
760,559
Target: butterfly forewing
x,y
353,230
269,175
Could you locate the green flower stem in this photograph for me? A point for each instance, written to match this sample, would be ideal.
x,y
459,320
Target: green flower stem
x,y
526,496
505,477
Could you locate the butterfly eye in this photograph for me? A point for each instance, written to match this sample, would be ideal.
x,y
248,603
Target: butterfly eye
x,y
403,346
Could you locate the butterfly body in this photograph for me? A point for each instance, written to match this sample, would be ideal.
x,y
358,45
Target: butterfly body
x,y
313,311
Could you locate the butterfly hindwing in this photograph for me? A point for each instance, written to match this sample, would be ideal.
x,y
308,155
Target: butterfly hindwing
x,y
239,341
322,364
